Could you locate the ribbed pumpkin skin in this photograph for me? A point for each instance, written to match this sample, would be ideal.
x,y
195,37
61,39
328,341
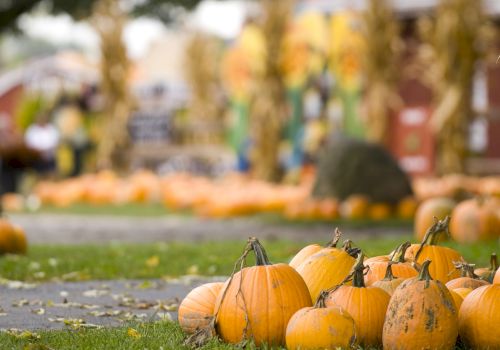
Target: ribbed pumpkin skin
x,y
389,286
465,282
367,306
420,318
378,268
325,269
479,318
303,254
197,308
442,267
320,328
270,295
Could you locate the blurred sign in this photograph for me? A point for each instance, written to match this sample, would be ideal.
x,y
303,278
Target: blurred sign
x,y
150,127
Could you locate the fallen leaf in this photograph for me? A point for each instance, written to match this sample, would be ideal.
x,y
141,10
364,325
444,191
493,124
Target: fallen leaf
x,y
131,332
153,261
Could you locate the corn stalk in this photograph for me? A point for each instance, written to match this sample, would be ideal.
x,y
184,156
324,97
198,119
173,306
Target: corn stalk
x,y
109,20
381,34
268,104
453,40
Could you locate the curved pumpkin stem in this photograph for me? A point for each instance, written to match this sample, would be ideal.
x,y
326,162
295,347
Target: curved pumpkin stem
x,y
349,249
424,274
321,301
432,234
466,270
335,240
358,276
261,258
388,272
493,262
399,253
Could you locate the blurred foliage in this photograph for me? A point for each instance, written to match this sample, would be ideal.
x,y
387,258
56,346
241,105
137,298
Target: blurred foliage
x,y
28,109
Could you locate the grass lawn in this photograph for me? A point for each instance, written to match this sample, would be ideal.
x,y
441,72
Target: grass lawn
x,y
157,260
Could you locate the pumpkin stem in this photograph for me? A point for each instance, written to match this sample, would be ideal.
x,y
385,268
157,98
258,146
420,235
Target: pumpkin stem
x,y
424,274
466,270
399,253
432,234
336,238
388,272
259,251
349,249
493,262
358,276
321,301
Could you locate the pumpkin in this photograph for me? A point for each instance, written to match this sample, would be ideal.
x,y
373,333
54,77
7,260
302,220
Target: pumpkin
x,y
379,211
8,237
326,268
197,309
443,269
366,305
311,249
328,208
258,301
400,268
479,318
20,243
463,292
321,327
428,210
457,299
421,315
354,207
468,278
406,208
473,220
488,273
496,279
389,283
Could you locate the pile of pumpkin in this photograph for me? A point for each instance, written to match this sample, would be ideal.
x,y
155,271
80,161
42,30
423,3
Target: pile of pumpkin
x,y
12,238
420,296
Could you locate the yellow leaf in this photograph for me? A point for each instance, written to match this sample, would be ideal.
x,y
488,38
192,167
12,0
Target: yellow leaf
x,y
153,261
193,270
132,333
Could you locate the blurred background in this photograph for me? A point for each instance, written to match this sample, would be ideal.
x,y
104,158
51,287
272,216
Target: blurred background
x,y
307,108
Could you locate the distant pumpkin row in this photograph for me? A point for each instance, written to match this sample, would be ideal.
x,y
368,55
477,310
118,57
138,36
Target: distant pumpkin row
x,y
399,301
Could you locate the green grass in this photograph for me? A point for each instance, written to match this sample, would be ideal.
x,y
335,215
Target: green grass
x,y
157,260
130,209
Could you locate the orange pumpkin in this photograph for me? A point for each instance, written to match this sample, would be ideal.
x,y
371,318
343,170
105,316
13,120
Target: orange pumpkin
x,y
473,220
257,302
366,305
321,327
445,270
311,249
379,211
20,243
354,207
400,268
8,237
457,299
326,268
406,208
468,278
427,211
197,309
479,318
421,315
488,273
389,283
496,279
463,292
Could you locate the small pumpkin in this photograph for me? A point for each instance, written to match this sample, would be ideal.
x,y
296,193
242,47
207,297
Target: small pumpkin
x,y
366,305
197,309
379,211
468,278
327,268
479,318
354,207
421,315
7,237
463,292
311,249
488,273
321,327
258,301
445,270
457,299
473,220
389,283
20,243
400,268
429,209
406,208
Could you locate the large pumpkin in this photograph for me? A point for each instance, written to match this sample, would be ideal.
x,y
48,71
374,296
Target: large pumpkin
x,y
473,220
197,309
443,268
421,315
468,278
8,237
400,268
311,249
366,305
327,268
428,210
488,273
20,243
389,283
321,327
496,279
257,302
479,318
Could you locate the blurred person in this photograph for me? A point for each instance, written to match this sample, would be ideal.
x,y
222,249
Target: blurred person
x,y
43,137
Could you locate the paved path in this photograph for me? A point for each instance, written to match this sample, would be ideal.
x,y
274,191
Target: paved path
x,y
84,304
74,229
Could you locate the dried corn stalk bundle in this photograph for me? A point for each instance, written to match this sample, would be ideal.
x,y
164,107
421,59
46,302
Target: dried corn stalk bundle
x,y
268,103
453,48
108,20
381,34
201,72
